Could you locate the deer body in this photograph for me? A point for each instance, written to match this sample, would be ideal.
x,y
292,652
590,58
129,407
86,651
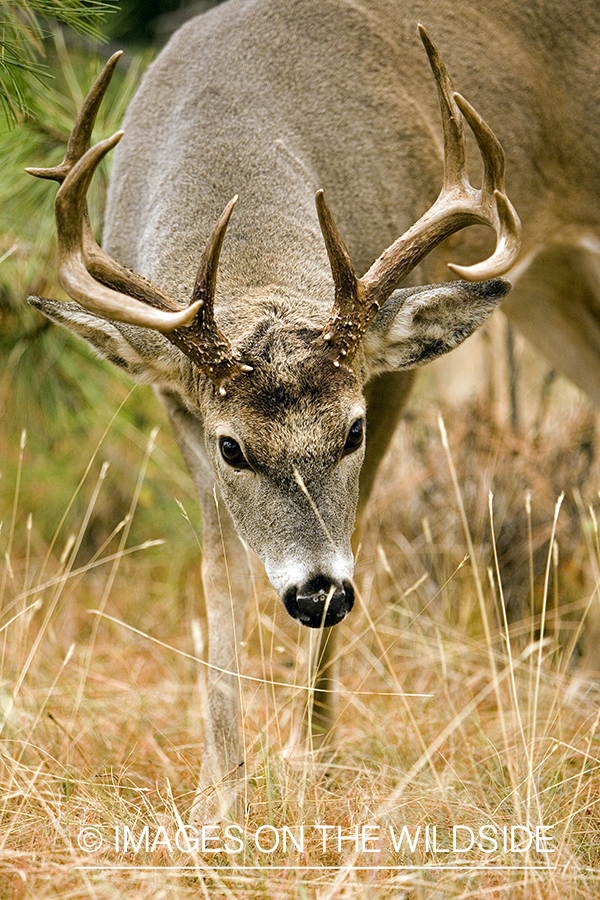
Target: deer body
x,y
273,101
310,95
278,99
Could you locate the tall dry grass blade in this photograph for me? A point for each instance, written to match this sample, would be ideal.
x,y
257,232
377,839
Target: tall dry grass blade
x,y
7,568
51,607
411,717
526,745
28,740
483,611
116,563
81,482
591,612
536,686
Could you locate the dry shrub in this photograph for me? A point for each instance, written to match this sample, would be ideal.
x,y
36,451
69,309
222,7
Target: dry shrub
x,y
415,520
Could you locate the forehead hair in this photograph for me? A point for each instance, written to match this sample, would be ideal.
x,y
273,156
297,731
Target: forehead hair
x,y
290,370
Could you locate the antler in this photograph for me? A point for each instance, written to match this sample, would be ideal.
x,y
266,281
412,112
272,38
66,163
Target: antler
x,y
357,300
106,288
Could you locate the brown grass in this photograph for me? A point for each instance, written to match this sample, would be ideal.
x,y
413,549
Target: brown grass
x,y
449,714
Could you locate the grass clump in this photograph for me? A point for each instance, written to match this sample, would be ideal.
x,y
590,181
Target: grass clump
x,y
461,731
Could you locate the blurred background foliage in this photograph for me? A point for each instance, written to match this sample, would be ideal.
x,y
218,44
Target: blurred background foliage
x,y
51,386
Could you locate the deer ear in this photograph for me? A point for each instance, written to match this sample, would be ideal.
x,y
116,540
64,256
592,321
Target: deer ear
x,y
146,355
416,325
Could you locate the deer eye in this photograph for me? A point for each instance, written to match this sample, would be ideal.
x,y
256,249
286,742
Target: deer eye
x,y
355,437
232,453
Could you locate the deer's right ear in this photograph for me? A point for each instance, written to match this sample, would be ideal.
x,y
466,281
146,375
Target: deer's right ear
x,y
416,325
146,355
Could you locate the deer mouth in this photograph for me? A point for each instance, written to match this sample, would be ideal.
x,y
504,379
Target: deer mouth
x,y
320,602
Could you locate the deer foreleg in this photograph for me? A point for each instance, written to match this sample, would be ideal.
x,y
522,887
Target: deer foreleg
x,y
226,581
225,577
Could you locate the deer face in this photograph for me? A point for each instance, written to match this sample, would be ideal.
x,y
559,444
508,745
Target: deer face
x,y
287,445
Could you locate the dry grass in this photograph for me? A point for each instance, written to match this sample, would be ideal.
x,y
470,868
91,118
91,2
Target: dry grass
x,y
101,724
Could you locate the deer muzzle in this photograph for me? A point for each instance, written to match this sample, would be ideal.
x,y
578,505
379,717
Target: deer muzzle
x,y
319,602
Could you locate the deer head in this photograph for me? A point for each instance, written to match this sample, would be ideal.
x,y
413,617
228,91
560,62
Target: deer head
x,y
277,403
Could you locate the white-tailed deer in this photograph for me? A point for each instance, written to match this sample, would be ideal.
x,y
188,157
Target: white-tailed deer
x,y
283,360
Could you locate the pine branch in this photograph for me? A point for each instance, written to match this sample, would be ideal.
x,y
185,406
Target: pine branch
x,y
23,27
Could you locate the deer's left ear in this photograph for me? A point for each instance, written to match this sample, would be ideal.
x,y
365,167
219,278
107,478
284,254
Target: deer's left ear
x,y
416,325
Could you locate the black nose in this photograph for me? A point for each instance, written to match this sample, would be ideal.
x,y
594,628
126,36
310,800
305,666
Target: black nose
x,y
319,601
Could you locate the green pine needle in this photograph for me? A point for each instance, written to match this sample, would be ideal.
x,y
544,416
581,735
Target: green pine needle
x,y
23,27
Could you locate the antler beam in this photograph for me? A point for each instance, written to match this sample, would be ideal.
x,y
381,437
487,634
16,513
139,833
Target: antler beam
x,y
357,300
106,288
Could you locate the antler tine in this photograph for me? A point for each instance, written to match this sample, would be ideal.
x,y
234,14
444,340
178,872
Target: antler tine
x,y
344,276
98,263
88,274
455,145
72,271
203,342
458,205
81,134
206,278
503,216
508,244
490,148
70,202
342,322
